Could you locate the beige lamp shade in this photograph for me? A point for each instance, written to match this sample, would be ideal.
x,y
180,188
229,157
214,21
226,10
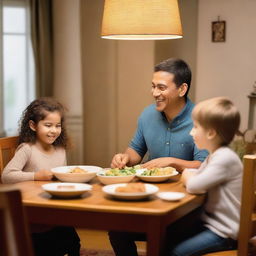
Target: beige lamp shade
x,y
141,20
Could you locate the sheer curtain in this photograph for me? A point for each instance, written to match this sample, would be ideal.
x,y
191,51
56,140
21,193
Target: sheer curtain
x,y
17,80
42,43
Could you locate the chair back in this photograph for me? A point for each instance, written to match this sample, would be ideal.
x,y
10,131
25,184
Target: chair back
x,y
248,216
8,146
14,235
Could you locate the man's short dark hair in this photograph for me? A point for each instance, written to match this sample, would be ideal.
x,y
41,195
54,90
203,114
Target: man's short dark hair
x,y
180,70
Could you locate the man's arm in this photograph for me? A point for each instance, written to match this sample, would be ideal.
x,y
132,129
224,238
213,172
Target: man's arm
x,y
178,164
130,157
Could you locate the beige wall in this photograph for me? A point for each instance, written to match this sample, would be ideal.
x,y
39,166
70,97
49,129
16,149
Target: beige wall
x,y
135,61
117,79
227,69
67,55
185,48
67,71
116,75
116,86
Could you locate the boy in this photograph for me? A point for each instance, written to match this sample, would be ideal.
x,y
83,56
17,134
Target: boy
x,y
216,121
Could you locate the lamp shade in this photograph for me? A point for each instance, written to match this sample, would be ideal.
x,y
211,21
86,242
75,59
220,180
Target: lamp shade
x,y
141,20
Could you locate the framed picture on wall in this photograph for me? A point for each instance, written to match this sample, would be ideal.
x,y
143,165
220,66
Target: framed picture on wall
x,y
219,31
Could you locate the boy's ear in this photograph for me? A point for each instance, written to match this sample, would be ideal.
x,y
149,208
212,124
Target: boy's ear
x,y
32,125
211,134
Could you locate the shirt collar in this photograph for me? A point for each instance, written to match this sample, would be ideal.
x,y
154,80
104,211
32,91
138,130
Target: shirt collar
x,y
183,113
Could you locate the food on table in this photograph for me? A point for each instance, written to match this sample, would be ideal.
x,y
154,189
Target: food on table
x,y
131,188
157,171
64,187
136,167
78,170
120,172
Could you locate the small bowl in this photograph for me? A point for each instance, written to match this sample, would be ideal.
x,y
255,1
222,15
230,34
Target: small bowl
x,y
63,173
171,196
113,179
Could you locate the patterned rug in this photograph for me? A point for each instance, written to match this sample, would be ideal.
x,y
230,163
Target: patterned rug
x,y
92,252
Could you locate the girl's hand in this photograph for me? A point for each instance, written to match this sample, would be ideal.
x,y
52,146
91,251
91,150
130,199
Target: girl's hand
x,y
43,175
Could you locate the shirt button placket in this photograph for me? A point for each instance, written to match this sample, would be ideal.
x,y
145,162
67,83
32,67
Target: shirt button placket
x,y
167,143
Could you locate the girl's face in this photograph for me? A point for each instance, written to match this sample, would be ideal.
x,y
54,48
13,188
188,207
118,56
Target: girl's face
x,y
200,136
48,129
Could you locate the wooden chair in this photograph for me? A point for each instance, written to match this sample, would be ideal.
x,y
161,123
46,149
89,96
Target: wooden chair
x,y
14,236
8,146
248,215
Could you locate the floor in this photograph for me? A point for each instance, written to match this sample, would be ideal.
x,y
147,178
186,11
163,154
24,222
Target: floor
x,y
95,239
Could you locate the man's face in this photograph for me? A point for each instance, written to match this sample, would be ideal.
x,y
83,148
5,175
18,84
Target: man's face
x,y
165,91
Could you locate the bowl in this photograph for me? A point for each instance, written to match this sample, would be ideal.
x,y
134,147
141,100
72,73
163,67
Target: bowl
x,y
65,174
156,178
104,179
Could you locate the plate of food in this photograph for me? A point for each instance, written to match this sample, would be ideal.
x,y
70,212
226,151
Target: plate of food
x,y
130,191
76,173
157,174
66,190
115,175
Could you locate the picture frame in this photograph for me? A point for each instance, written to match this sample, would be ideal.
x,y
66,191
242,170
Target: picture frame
x,y
218,31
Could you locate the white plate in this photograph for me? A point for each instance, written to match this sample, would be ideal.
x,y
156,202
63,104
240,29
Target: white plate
x,y
154,178
110,190
63,173
170,196
66,189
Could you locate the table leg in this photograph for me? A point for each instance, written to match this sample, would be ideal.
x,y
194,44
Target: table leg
x,y
155,238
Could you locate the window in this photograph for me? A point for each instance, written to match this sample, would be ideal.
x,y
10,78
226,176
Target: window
x,y
18,88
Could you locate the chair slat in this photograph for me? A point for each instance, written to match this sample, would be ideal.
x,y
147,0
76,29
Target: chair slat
x,y
14,234
8,146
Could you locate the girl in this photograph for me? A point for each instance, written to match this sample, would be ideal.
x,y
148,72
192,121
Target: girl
x,y
42,143
215,123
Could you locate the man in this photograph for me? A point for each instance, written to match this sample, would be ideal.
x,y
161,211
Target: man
x,y
162,132
163,128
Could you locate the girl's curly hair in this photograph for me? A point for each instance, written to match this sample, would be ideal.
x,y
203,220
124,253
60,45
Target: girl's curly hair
x,y
37,111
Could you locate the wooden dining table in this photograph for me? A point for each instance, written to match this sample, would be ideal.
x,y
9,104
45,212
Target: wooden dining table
x,y
96,210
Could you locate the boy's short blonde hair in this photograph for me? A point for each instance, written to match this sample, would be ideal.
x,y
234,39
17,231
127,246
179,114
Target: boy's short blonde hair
x,y
219,114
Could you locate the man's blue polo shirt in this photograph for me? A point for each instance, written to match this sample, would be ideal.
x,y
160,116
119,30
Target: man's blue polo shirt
x,y
166,139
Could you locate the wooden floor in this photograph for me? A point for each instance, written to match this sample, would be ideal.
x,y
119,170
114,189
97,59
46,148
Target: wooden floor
x,y
92,239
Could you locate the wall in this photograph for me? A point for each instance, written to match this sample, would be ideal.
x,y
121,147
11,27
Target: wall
x,y
185,48
116,75
67,71
227,69
135,61
116,86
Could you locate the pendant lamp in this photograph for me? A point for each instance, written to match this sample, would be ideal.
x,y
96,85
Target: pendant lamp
x,y
141,20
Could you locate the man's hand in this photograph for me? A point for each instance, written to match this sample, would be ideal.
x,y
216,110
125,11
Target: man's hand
x,y
43,175
178,164
158,162
120,161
